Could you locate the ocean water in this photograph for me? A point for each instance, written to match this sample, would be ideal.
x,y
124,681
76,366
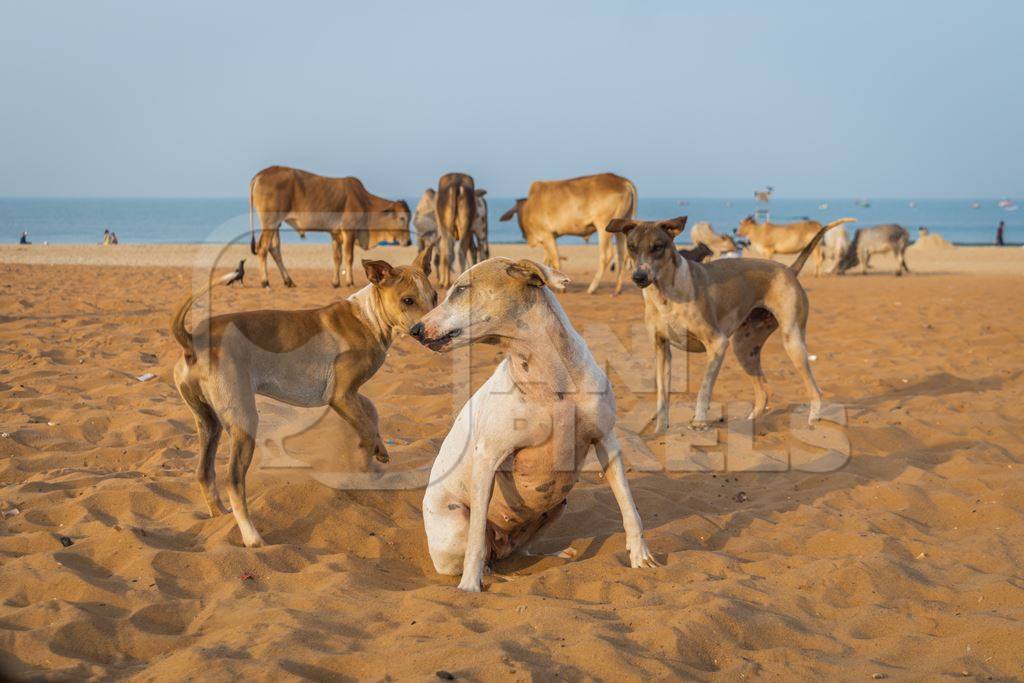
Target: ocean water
x,y
155,221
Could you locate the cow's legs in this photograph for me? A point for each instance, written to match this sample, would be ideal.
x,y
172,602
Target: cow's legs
x,y
444,269
603,259
620,261
551,252
271,225
336,258
275,251
465,247
348,249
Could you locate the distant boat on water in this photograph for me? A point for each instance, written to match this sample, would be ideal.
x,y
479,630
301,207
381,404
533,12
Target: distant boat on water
x,y
975,205
863,203
1005,203
823,206
912,205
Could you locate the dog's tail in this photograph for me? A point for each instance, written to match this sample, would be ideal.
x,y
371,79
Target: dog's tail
x,y
252,233
798,265
840,222
178,331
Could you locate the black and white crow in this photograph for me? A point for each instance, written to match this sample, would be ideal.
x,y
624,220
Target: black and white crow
x,y
239,274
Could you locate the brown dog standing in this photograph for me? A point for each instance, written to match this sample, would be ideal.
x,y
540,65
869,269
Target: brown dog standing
x,y
701,307
305,358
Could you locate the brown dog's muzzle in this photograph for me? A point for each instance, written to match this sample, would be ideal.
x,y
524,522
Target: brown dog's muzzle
x,y
642,276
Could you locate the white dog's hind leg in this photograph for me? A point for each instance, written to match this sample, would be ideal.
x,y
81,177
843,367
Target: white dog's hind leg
x,y
609,454
447,524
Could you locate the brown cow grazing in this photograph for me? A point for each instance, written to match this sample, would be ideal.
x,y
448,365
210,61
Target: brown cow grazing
x,y
456,211
578,206
314,203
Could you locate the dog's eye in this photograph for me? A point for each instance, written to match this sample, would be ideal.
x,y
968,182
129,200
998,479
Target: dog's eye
x,y
460,289
658,248
408,301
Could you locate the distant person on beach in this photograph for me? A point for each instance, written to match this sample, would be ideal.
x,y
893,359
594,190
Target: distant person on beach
x,y
999,233
113,238
24,238
106,238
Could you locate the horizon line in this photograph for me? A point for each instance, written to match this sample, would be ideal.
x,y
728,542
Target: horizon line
x,y
665,197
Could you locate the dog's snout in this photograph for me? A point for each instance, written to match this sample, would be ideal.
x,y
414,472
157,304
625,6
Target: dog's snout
x,y
417,331
641,278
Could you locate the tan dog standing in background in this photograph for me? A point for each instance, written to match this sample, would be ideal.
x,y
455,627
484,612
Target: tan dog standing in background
x,y
306,358
701,307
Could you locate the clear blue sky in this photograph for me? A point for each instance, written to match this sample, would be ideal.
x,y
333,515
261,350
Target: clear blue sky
x,y
876,99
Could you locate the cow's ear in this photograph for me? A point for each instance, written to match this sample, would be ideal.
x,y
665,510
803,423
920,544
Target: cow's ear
x,y
623,225
376,271
674,226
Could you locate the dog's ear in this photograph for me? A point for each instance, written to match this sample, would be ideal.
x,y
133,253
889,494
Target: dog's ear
x,y
376,271
481,193
674,226
422,260
537,275
623,225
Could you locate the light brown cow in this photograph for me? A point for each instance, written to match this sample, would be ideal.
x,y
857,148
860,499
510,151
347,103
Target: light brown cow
x,y
578,206
782,238
456,210
314,203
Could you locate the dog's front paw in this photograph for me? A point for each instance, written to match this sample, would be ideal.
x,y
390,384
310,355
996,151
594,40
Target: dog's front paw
x,y
380,453
471,584
700,425
640,556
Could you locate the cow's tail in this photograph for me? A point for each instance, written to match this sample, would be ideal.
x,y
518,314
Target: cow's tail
x,y
178,331
252,233
798,265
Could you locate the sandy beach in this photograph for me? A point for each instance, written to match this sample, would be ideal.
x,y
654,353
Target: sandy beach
x,y
894,551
